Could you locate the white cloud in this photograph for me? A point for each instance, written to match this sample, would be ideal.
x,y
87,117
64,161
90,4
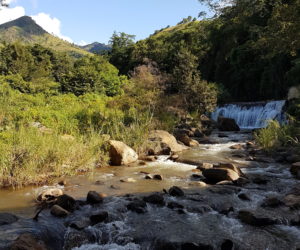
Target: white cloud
x,y
82,43
9,14
51,25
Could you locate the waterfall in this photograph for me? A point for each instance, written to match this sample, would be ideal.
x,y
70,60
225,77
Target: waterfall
x,y
252,115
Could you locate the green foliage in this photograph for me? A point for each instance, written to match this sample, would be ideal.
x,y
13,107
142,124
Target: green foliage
x,y
44,136
275,135
34,69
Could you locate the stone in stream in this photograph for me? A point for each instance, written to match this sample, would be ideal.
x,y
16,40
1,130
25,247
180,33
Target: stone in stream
x,y
80,224
176,191
230,166
49,194
159,140
244,197
76,238
128,180
174,205
195,246
98,218
28,242
66,202
271,202
295,169
157,177
236,146
137,206
227,124
6,219
94,198
156,199
292,201
148,177
255,218
220,174
58,211
121,154
205,165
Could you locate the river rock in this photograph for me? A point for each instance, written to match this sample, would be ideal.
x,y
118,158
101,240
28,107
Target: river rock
x,y
174,205
295,169
160,139
254,218
156,199
271,202
76,238
49,194
205,165
6,219
94,198
244,197
220,174
186,140
80,224
195,246
28,242
236,146
137,206
176,191
149,158
198,133
66,202
292,201
157,177
99,217
227,124
58,211
121,154
231,167
128,180
148,177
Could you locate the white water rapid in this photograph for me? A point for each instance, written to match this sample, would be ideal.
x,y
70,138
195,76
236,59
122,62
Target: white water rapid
x,y
252,115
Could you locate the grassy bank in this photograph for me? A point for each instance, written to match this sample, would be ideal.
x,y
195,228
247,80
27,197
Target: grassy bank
x,y
42,137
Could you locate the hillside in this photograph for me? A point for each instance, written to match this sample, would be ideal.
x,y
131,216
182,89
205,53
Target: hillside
x,y
96,48
25,29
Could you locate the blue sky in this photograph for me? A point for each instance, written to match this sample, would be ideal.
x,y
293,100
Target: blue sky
x,y
96,20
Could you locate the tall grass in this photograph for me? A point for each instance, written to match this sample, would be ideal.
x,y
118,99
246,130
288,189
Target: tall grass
x,y
275,135
43,137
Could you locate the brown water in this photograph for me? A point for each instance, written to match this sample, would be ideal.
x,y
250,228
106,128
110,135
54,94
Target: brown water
x,y
108,179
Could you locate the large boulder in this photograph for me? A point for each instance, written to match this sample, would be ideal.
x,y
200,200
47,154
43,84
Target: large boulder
x,y
160,140
220,174
121,154
227,124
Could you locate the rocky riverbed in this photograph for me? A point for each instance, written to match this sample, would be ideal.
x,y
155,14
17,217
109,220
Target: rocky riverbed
x,y
223,194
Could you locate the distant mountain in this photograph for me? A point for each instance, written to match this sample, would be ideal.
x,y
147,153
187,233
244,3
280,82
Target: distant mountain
x,y
26,30
96,48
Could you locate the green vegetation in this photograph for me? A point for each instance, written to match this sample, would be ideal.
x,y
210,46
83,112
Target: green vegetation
x,y
250,49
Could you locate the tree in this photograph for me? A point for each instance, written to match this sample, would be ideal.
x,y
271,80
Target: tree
x,y
122,45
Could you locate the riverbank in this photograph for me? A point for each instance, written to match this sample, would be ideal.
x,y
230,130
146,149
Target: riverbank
x,y
259,213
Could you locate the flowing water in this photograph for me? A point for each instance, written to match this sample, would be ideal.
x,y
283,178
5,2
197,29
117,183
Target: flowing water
x,y
208,216
252,115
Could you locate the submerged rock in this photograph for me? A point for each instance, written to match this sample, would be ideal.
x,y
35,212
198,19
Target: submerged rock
x,y
255,219
28,242
295,169
58,211
98,218
121,154
137,206
156,199
176,191
6,219
94,198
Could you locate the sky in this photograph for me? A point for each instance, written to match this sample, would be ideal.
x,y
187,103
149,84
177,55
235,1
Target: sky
x,y
87,21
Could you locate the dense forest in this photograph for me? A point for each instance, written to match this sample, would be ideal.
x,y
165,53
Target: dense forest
x,y
250,49
54,106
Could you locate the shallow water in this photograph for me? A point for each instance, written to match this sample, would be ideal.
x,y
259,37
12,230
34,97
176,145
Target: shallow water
x,y
202,220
